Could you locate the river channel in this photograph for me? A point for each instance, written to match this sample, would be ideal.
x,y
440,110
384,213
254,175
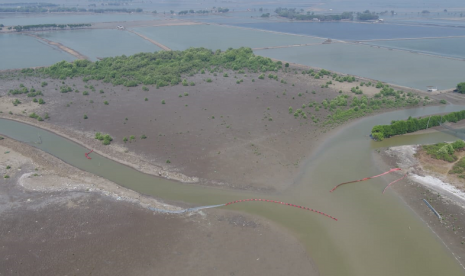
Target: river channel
x,y
376,234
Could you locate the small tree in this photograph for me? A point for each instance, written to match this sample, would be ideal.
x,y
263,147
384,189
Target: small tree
x,y
461,88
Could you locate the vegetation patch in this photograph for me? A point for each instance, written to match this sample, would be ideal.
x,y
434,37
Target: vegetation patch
x,y
380,132
444,151
160,68
105,138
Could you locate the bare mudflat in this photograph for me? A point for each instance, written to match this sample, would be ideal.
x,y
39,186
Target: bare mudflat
x,y
70,231
237,131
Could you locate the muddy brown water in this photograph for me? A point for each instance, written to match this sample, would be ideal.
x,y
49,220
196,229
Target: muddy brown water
x,y
376,234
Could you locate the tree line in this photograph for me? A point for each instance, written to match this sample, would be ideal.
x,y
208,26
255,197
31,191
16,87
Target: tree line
x,y
49,26
160,68
294,14
367,15
41,9
380,132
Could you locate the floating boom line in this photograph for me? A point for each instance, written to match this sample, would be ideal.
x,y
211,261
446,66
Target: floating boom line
x,y
239,201
394,182
366,178
87,154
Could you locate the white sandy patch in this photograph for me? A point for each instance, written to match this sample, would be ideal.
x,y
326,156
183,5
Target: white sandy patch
x,y
405,155
441,187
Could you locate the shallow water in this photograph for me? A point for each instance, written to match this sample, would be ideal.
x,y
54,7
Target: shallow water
x,y
397,67
376,234
22,51
95,43
219,37
450,47
355,31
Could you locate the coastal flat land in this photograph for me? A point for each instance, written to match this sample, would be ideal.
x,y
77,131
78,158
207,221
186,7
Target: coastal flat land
x,y
236,131
55,227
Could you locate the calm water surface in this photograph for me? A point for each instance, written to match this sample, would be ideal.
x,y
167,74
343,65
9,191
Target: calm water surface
x,y
101,43
376,234
398,67
22,51
219,37
355,31
450,47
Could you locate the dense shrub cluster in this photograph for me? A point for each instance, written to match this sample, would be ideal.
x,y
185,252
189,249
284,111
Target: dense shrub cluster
x,y
160,68
380,132
105,138
444,151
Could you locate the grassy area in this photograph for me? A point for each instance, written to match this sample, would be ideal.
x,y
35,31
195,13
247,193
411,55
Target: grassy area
x,y
444,151
459,168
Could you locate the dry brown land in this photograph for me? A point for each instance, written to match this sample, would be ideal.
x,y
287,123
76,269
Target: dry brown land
x,y
69,231
221,133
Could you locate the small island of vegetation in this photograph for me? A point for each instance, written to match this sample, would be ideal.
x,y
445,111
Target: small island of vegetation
x,y
298,15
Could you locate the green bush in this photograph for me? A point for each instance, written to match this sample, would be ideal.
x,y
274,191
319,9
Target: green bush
x,y
414,124
106,139
41,101
459,144
441,151
85,93
461,87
